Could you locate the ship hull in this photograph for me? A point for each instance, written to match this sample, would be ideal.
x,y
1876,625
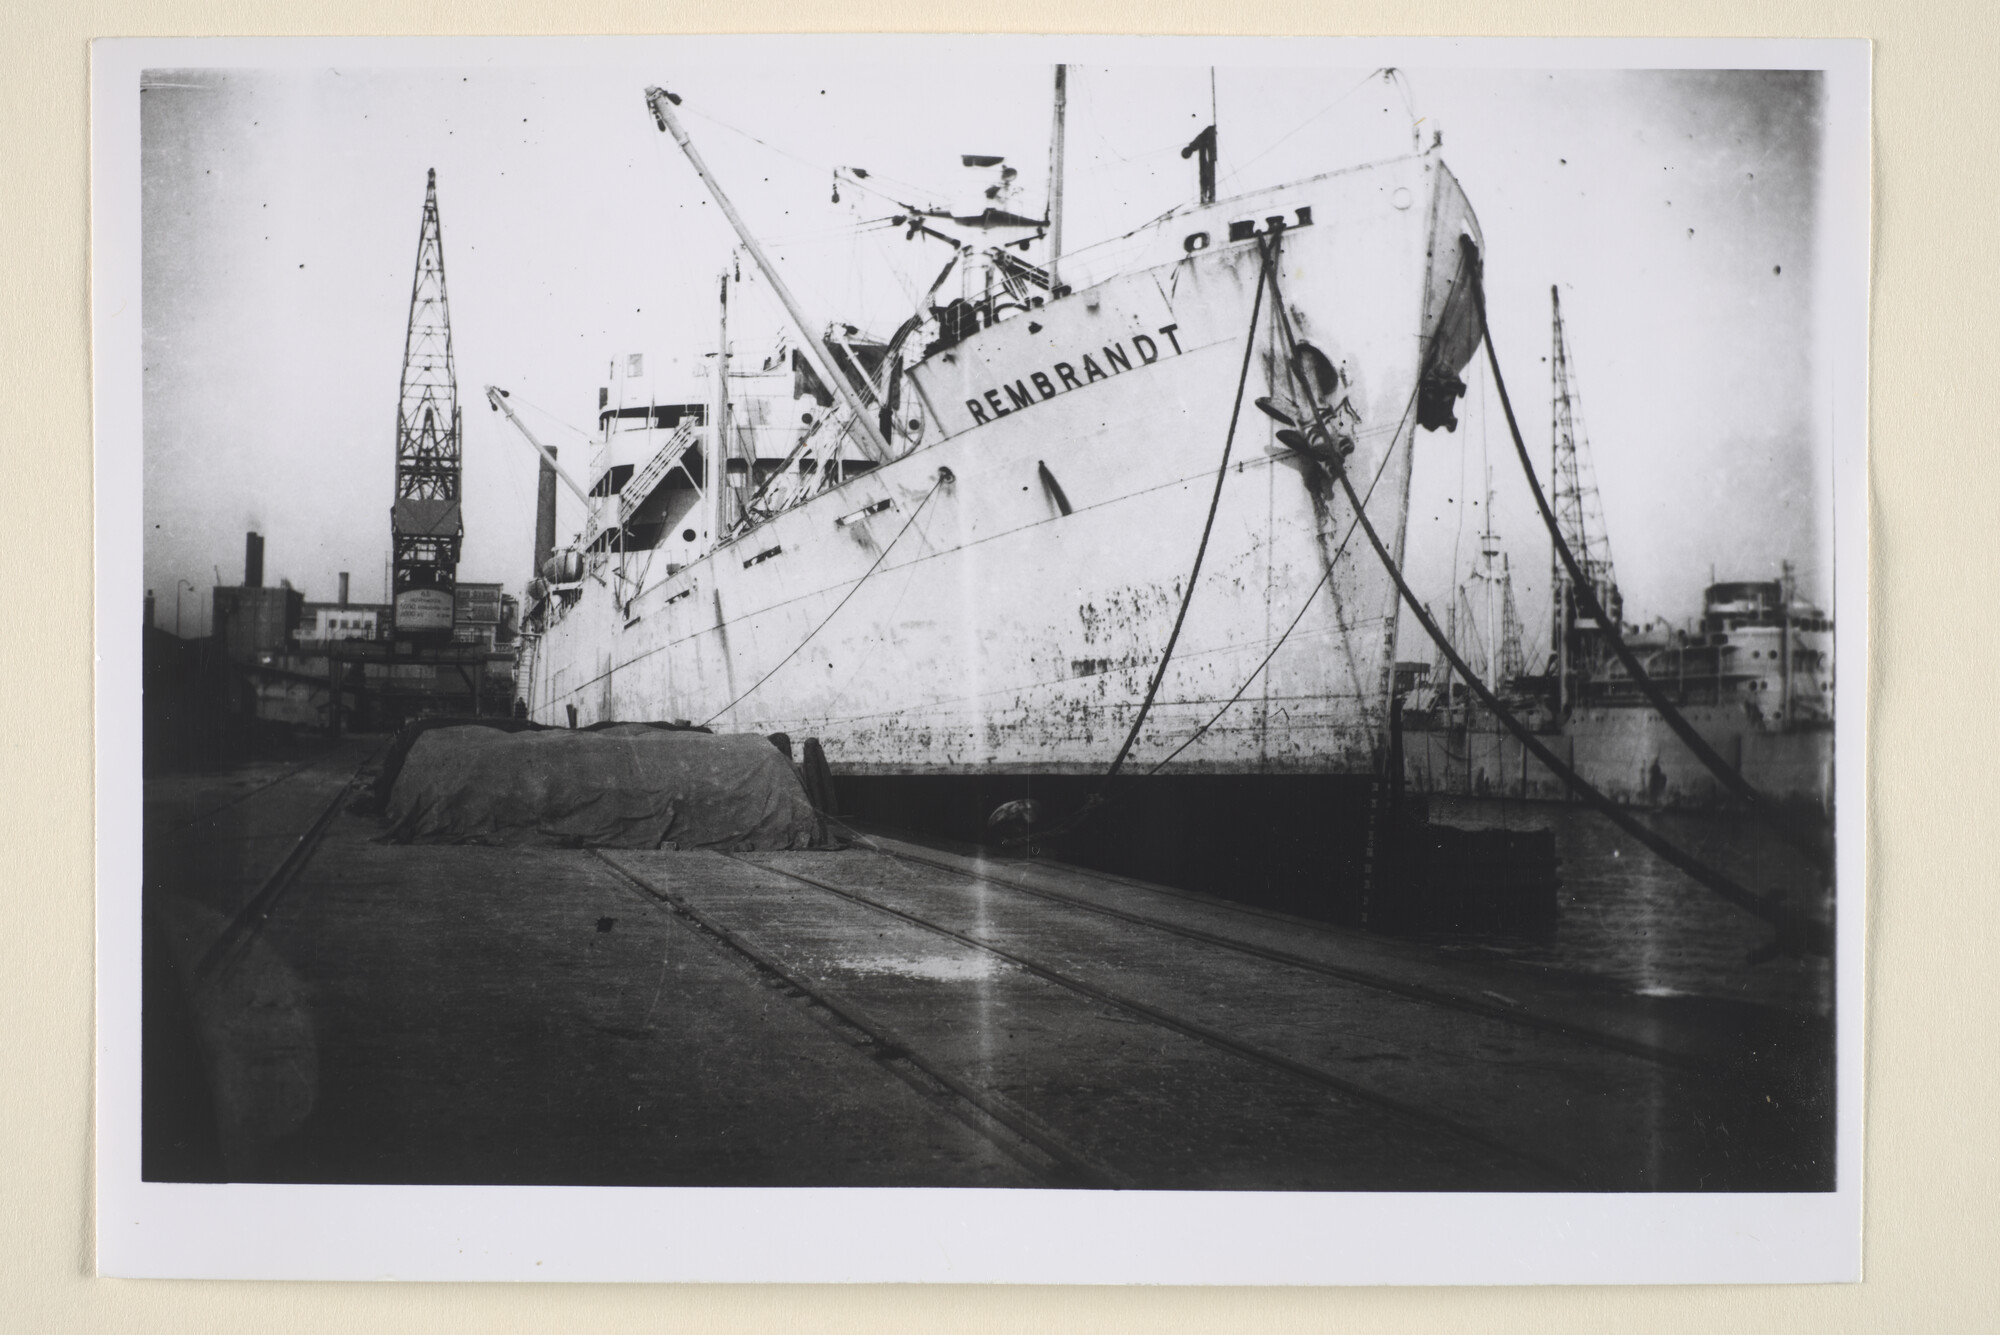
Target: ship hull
x,y
1632,757
1297,843
1002,616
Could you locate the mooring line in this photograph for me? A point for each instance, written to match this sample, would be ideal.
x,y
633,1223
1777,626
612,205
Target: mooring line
x,y
1076,1168
1204,1034
944,476
1763,807
1794,927
1268,254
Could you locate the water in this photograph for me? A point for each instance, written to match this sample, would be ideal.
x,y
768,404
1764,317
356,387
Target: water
x,y
1629,918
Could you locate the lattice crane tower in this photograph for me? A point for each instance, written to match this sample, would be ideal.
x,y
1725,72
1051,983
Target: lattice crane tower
x,y
1575,643
426,521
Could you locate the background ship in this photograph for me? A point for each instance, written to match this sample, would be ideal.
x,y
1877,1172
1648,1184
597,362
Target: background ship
x,y
1753,675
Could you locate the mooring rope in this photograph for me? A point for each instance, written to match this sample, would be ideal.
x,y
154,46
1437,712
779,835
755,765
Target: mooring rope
x,y
1264,275
944,476
1815,935
1586,594
1792,926
1325,578
1100,795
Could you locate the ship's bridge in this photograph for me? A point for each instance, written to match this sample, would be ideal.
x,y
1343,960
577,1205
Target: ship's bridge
x,y
650,459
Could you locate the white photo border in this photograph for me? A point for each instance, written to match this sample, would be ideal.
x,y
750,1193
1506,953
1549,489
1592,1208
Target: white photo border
x,y
151,1229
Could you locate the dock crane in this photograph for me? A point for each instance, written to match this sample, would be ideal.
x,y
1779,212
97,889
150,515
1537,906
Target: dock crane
x,y
1575,649
425,521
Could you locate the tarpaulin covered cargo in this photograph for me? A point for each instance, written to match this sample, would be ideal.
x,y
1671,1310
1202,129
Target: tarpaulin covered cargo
x,y
628,786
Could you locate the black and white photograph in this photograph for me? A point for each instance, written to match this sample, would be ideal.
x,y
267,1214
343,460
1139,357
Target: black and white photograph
x,y
1258,642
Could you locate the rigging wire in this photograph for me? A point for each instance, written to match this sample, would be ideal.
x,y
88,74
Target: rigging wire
x,y
1306,605
1097,799
1364,81
1396,77
515,398
1071,253
1794,927
1232,172
944,476
816,167
1586,595
864,227
1270,251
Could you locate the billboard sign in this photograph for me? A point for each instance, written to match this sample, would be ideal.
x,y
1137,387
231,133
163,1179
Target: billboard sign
x,y
479,603
423,609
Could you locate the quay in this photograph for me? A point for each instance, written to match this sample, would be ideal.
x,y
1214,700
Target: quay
x,y
322,1006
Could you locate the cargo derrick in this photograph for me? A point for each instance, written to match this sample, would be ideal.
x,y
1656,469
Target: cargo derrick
x,y
425,521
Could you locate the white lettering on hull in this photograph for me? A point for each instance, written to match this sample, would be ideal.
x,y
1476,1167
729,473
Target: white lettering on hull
x,y
1040,386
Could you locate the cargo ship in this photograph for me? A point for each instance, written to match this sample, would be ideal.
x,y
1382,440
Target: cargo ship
x,y
1753,674
960,554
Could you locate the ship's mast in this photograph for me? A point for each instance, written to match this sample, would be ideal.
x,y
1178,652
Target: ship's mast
x,y
1489,556
1450,633
1056,182
1489,576
1513,659
718,435
1471,646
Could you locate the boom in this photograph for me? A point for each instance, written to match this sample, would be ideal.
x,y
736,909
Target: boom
x,y
662,103
498,398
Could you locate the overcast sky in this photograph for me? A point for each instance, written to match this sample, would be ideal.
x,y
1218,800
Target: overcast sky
x,y
1676,212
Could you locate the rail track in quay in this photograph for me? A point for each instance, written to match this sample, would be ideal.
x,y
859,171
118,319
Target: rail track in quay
x,y
1027,878
894,1013
991,984
1095,1166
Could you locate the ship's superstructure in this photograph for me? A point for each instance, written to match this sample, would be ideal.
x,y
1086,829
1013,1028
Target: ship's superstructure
x,y
1758,646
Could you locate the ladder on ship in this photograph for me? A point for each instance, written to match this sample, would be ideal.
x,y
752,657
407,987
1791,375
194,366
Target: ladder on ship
x,y
634,493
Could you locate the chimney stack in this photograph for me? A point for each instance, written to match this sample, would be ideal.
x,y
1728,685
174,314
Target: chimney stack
x,y
545,517
343,588
253,561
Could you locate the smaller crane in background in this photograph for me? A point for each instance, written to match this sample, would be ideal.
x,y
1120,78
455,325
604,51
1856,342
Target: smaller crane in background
x,y
1576,649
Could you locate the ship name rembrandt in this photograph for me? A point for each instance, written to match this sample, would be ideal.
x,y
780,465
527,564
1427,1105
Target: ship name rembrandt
x,y
1039,386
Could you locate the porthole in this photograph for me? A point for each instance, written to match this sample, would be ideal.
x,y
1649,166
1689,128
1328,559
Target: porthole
x,y
687,535
1195,241
1402,198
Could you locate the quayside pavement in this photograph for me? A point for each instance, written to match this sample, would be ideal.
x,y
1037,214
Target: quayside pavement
x,y
346,1010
